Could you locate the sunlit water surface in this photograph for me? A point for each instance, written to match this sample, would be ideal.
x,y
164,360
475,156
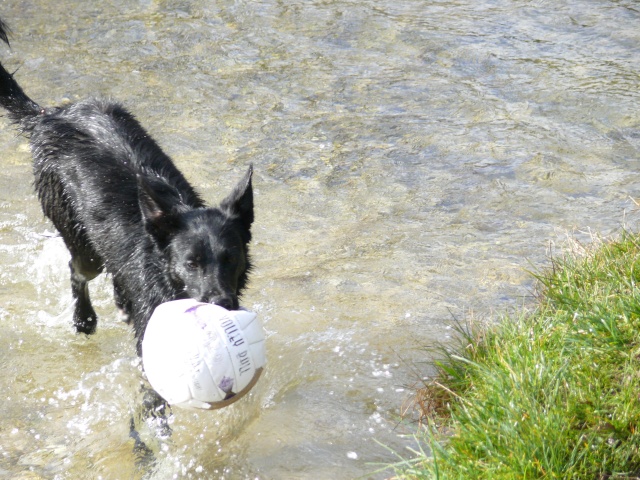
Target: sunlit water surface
x,y
413,159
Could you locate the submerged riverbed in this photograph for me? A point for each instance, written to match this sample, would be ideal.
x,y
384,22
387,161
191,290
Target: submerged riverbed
x,y
413,160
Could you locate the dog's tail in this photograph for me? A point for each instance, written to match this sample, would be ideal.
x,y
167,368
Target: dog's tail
x,y
22,110
4,32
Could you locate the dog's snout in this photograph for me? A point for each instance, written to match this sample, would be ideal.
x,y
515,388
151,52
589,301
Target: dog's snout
x,y
230,302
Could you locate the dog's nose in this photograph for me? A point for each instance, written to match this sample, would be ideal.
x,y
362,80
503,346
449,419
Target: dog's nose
x,y
224,301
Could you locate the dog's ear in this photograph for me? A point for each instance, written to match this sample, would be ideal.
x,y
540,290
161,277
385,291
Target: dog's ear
x,y
239,203
158,214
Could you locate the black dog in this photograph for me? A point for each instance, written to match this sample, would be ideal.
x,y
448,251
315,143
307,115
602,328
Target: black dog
x,y
123,207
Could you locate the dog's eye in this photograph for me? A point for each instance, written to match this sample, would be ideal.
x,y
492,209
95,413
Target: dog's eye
x,y
191,264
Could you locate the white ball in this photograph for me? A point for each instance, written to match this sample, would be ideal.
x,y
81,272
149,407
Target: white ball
x,y
200,355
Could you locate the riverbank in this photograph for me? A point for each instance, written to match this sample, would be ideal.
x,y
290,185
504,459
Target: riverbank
x,y
553,393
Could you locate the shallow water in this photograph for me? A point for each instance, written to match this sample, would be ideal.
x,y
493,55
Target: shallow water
x,y
413,160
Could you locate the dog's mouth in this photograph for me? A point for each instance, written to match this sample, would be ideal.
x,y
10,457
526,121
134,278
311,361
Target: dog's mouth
x,y
230,303
225,300
182,295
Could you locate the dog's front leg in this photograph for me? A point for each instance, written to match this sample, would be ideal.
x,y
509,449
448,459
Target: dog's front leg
x,y
122,302
84,317
155,412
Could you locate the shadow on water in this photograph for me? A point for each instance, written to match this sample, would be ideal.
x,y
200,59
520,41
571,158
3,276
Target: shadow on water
x,y
411,160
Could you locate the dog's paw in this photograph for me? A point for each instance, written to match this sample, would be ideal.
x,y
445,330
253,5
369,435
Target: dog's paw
x,y
86,325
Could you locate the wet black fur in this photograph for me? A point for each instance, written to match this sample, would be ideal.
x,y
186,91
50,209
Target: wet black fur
x,y
3,32
123,207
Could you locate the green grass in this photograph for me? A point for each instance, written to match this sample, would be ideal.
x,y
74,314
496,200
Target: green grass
x,y
553,393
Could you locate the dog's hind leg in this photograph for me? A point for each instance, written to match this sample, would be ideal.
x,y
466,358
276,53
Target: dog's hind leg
x,y
82,271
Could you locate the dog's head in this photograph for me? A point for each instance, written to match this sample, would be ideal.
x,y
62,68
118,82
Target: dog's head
x,y
205,250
